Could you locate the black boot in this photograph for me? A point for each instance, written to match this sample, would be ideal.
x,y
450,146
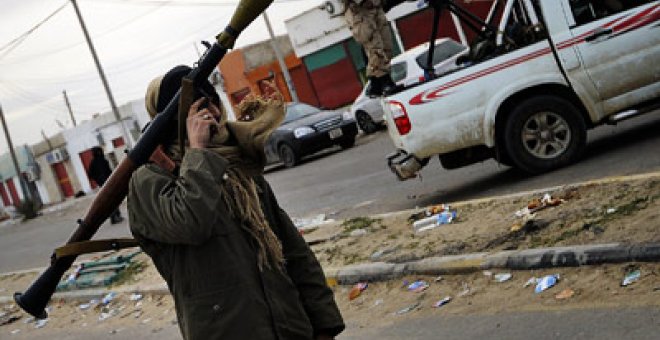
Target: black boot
x,y
388,86
116,217
374,87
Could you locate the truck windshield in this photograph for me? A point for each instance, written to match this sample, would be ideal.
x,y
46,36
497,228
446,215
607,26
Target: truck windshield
x,y
441,52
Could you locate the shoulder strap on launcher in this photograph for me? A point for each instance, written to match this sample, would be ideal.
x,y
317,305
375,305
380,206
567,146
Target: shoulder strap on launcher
x,y
92,246
185,101
95,246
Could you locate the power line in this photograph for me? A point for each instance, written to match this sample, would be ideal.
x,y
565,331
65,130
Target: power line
x,y
157,3
160,51
117,26
28,97
10,46
188,3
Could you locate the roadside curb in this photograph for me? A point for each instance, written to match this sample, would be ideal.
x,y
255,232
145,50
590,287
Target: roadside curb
x,y
568,256
571,256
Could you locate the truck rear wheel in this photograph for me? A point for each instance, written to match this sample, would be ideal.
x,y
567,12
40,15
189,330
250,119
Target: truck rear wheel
x,y
544,133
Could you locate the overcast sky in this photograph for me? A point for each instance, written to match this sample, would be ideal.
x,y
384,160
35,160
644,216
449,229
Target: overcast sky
x,y
136,40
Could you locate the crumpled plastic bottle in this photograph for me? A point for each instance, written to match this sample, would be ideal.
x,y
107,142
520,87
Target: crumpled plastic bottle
x,y
546,282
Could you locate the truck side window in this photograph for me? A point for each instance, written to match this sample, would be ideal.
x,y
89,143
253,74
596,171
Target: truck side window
x,y
586,11
399,71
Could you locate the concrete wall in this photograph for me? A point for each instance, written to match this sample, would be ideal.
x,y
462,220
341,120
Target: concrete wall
x,y
19,189
47,184
23,157
316,29
137,107
26,163
262,53
101,131
79,139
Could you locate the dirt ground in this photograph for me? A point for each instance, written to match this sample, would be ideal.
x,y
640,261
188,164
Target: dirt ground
x,y
621,211
382,303
626,212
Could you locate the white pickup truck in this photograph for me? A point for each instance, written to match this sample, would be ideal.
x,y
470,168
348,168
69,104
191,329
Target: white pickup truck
x,y
529,91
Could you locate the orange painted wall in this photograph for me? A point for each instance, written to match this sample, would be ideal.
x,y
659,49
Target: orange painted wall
x,y
232,69
237,79
295,65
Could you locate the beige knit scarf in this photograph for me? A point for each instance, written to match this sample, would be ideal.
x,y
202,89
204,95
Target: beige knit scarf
x,y
242,143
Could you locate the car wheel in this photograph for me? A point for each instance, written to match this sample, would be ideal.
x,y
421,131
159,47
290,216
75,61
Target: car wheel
x,y
347,143
543,133
288,156
365,122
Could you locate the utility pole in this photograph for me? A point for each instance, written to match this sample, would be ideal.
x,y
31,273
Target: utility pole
x,y
68,106
24,188
280,60
115,110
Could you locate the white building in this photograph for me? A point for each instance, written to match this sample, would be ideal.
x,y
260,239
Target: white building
x,y
56,180
106,132
11,190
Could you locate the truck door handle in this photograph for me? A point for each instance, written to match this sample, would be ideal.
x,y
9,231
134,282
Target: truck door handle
x,y
599,32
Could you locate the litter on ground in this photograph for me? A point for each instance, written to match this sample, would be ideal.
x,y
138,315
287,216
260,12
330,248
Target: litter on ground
x,y
357,290
631,277
418,286
546,282
407,309
442,302
503,277
565,294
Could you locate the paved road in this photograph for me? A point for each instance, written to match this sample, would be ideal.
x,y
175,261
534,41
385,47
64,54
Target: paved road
x,y
600,324
357,182
638,323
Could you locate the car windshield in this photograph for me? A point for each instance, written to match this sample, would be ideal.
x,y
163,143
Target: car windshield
x,y
441,52
299,110
399,71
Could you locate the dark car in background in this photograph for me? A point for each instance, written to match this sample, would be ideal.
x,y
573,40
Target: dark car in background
x,y
307,130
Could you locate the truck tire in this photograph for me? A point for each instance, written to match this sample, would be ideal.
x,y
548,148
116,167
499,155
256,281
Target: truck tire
x,y
544,132
288,156
365,122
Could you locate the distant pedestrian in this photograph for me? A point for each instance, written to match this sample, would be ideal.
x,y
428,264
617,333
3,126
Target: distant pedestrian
x,y
99,170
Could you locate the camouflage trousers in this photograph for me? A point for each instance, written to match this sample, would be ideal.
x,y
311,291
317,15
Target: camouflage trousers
x,y
370,28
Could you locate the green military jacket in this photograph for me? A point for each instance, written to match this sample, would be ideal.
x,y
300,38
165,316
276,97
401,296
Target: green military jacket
x,y
210,263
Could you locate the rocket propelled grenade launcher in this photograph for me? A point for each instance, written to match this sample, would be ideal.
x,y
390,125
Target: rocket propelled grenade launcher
x,y
35,299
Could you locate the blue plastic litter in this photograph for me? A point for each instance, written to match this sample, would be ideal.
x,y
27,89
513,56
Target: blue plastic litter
x,y
546,282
